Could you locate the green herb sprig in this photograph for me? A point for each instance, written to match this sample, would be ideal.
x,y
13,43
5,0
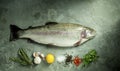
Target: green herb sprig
x,y
22,58
90,57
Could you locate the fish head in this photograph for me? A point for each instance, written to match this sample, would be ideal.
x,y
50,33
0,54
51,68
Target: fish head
x,y
87,34
90,33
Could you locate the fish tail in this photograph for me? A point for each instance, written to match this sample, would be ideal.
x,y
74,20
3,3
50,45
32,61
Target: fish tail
x,y
14,32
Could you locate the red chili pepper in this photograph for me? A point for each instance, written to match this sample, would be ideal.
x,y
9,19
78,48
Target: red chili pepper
x,y
77,61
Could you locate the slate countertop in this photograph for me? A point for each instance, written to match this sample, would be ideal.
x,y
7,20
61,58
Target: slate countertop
x,y
101,15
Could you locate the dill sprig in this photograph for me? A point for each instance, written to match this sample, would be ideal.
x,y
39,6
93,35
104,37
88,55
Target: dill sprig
x,y
22,58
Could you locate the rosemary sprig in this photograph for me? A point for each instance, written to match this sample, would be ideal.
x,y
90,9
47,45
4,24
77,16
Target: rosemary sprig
x,y
89,58
22,58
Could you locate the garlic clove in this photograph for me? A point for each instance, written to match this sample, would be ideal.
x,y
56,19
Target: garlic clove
x,y
37,60
42,56
36,54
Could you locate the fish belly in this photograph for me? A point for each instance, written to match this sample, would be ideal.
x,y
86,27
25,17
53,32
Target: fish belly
x,y
57,38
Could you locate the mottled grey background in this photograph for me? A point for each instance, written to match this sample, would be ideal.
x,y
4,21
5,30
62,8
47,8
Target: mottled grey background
x,y
102,15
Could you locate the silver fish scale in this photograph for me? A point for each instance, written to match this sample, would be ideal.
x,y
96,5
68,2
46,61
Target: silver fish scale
x,y
64,35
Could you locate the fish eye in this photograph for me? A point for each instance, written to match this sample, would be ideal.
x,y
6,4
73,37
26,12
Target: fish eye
x,y
83,34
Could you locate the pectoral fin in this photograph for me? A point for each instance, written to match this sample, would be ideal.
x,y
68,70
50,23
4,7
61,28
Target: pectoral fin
x,y
77,43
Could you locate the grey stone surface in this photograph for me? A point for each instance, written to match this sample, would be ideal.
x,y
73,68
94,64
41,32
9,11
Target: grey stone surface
x,y
102,15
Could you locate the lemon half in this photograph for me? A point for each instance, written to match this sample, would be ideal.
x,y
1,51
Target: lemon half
x,y
50,58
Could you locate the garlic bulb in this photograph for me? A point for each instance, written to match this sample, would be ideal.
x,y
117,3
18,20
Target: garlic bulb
x,y
37,60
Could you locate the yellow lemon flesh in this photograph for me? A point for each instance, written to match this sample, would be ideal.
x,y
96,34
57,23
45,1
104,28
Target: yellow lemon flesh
x,y
50,58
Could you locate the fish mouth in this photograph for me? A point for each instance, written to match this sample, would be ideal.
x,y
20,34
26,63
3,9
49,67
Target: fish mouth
x,y
93,34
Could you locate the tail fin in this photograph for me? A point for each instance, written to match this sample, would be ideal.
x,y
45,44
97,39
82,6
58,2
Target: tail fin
x,y
14,32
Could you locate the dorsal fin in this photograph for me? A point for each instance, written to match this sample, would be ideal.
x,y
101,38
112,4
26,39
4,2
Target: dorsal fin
x,y
51,23
29,27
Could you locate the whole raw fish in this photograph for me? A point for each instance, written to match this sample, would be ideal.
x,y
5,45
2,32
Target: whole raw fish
x,y
53,33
